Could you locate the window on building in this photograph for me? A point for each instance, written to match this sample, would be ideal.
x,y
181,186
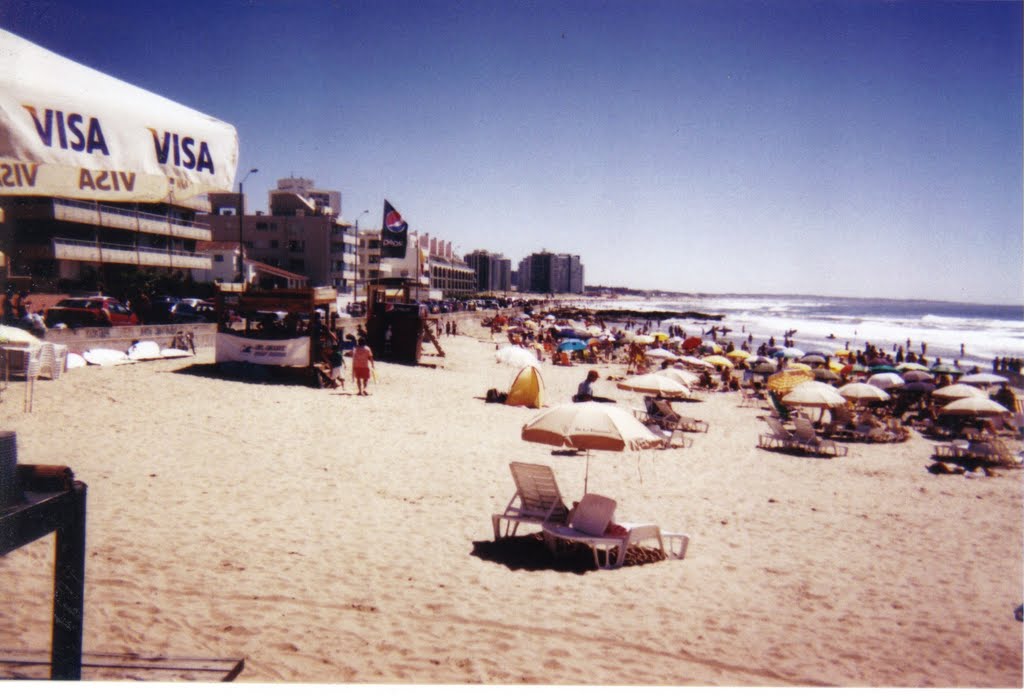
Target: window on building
x,y
274,244
261,226
296,245
218,258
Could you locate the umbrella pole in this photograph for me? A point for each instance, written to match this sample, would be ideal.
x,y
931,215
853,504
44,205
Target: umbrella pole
x,y
586,474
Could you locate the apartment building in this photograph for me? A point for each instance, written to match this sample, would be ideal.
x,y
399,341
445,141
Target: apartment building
x,y
493,271
547,272
302,234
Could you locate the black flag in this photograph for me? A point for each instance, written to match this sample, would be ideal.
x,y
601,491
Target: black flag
x,y
394,235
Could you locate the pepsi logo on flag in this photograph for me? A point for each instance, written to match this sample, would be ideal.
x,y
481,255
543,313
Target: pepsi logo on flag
x,y
394,233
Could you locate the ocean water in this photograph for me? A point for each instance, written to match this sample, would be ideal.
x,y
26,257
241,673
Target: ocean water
x,y
986,331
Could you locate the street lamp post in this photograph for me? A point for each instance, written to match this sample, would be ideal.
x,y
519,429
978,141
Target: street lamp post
x,y
355,269
241,220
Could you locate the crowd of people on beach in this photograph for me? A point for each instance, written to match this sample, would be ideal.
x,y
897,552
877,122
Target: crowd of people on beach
x,y
1004,364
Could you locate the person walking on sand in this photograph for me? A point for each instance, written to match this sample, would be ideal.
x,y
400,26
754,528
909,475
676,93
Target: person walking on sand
x,y
362,362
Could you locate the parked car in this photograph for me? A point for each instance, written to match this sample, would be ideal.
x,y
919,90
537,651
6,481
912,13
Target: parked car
x,y
97,310
186,313
160,309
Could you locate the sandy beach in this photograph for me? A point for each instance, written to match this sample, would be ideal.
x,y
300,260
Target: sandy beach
x,y
330,538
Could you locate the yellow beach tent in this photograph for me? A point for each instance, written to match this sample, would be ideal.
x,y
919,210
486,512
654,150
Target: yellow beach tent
x,y
527,389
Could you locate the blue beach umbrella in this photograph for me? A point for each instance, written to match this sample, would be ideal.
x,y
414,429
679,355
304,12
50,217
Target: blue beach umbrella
x,y
788,353
919,387
572,345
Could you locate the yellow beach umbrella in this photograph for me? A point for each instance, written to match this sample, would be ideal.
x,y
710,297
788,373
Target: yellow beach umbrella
x,y
802,367
718,361
737,354
783,382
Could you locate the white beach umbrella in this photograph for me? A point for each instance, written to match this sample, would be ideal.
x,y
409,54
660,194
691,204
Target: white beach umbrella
x,y
589,426
814,394
696,362
515,356
643,339
862,392
684,377
974,406
662,354
886,380
981,378
959,391
656,384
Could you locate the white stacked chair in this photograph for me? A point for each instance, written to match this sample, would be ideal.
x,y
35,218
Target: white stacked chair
x,y
24,362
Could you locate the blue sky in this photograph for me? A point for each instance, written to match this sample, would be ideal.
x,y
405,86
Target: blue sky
x,y
867,149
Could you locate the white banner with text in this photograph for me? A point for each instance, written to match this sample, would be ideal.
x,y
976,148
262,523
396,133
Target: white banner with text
x,y
293,352
69,131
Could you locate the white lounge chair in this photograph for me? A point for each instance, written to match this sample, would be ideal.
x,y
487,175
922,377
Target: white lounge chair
x,y
778,438
808,439
537,499
589,524
670,438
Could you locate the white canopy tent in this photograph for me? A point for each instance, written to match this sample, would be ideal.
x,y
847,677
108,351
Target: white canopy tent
x,y
69,131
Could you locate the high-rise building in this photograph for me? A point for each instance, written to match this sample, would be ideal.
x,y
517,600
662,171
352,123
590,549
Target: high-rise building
x,y
546,272
493,271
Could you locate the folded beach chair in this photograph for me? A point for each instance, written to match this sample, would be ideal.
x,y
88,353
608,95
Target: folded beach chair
x,y
537,499
807,439
589,526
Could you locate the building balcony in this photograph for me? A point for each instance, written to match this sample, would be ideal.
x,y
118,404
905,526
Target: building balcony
x,y
83,213
91,252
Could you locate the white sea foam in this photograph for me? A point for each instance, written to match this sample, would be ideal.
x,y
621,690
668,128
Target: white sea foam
x,y
986,332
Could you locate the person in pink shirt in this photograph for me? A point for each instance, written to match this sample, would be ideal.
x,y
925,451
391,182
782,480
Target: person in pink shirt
x,y
362,361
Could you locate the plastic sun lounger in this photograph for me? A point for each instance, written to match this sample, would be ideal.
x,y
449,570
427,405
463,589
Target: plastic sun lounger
x,y
809,440
591,519
670,438
537,499
778,438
